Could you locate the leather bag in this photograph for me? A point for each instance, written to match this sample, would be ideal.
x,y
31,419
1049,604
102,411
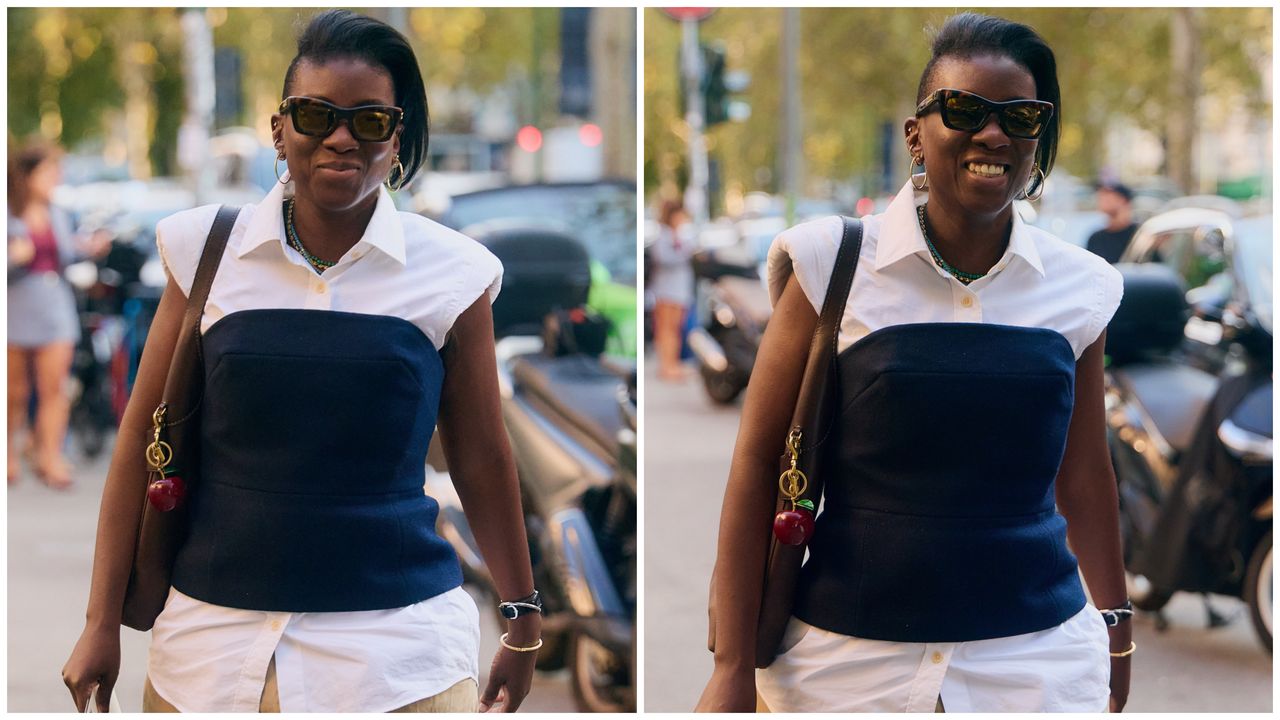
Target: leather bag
x,y
161,533
813,417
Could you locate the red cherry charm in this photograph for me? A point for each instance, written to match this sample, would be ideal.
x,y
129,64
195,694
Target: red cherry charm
x,y
166,493
793,527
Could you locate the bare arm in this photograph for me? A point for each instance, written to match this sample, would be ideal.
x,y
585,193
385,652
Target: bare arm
x,y
750,496
484,473
96,658
1087,498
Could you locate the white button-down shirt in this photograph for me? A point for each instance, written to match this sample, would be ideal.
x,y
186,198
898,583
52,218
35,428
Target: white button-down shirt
x,y
1040,281
208,658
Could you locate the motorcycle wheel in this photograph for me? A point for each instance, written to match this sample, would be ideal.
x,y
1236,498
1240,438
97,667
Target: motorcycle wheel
x,y
599,678
1259,589
721,387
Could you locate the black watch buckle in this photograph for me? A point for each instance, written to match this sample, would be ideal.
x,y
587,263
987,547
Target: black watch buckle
x,y
523,606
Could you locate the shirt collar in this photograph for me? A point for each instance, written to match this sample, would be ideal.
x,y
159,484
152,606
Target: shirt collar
x,y
900,236
383,232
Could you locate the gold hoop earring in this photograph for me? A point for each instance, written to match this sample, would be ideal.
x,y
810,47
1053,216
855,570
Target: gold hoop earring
x,y
1039,186
279,179
397,171
911,173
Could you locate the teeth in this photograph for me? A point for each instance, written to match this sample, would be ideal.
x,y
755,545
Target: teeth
x,y
986,170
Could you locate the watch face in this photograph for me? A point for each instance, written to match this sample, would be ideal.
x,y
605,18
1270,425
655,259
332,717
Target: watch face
x,y
509,612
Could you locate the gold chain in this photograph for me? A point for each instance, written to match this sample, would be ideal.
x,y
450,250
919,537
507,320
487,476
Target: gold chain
x,y
159,453
793,482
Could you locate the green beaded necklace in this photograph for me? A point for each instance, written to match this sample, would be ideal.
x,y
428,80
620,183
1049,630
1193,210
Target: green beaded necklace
x,y
294,242
964,277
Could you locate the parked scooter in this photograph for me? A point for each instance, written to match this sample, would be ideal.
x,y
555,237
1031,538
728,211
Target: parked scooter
x,y
570,416
1192,451
100,360
737,309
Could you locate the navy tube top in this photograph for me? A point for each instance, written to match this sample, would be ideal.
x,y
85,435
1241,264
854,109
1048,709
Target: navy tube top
x,y
315,427
939,521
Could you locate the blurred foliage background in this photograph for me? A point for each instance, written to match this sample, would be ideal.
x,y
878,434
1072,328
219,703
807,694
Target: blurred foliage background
x,y
859,69
84,77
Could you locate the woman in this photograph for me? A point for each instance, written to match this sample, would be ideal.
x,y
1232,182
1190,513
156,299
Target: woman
x,y
312,578
971,364
672,286
43,326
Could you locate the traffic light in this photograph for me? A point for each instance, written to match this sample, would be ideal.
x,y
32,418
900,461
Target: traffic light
x,y
714,93
717,85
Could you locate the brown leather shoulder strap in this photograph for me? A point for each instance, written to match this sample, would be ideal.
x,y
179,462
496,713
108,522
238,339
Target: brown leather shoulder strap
x,y
183,389
819,373
209,261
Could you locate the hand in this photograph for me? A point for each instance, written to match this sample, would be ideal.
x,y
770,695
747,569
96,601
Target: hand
x,y
729,690
98,244
509,679
95,662
21,250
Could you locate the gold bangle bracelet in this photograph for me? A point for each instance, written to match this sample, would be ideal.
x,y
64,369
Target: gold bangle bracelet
x,y
517,648
1132,646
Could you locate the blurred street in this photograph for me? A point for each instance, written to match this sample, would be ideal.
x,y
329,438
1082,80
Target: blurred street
x,y
51,538
688,444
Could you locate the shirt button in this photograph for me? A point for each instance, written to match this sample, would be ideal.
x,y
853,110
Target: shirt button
x,y
275,626
325,288
937,658
967,301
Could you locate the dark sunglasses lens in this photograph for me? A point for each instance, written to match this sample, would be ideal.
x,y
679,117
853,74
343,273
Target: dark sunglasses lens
x,y
964,112
313,119
1025,121
372,125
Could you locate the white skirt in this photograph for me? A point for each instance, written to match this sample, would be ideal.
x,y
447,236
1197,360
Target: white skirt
x,y
1066,668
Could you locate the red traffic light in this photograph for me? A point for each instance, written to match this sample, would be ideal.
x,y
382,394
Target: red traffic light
x,y
529,139
591,135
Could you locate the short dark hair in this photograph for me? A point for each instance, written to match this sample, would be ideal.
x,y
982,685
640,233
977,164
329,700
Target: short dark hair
x,y
337,34
22,163
668,210
970,35
1118,188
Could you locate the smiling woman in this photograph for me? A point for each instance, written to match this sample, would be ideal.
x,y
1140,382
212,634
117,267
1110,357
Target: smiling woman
x,y
337,334
970,444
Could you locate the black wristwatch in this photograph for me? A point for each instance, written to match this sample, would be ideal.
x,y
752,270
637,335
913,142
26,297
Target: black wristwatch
x,y
523,606
1114,617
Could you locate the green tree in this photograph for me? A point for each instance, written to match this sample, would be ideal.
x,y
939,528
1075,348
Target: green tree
x,y
860,69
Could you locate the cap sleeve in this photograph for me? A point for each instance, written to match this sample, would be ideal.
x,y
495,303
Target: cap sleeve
x,y
180,239
808,251
479,273
1110,291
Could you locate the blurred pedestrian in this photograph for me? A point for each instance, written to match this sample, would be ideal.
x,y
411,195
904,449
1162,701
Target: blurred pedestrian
x,y
43,325
337,332
971,399
672,286
1116,201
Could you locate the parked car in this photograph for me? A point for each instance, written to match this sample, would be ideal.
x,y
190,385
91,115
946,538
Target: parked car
x,y
1217,258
